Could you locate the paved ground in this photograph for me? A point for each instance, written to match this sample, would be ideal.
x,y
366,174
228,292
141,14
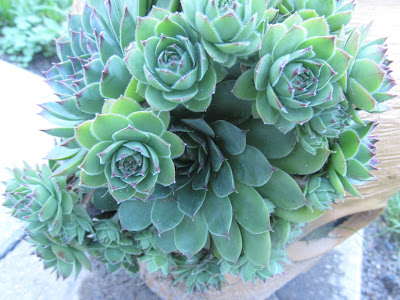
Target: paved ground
x,y
21,275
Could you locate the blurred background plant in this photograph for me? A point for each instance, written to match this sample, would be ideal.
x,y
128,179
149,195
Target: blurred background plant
x,y
391,218
29,27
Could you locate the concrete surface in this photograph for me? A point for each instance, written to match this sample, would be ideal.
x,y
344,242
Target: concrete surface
x,y
22,278
337,276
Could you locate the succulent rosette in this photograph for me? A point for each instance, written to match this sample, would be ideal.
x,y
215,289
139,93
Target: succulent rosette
x,y
76,225
91,66
297,75
337,13
170,63
39,199
368,80
63,258
228,28
214,156
129,150
325,125
107,232
91,69
113,247
320,193
353,158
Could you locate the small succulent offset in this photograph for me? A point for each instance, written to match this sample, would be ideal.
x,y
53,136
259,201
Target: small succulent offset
x,y
197,137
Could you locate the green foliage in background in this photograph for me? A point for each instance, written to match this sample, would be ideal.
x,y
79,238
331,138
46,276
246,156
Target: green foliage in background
x,y
391,217
28,27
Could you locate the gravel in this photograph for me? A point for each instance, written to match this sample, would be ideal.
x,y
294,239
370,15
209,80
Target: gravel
x,y
381,275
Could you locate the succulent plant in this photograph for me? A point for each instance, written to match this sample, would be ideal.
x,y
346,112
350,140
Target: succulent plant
x,y
215,155
297,75
197,137
170,63
354,158
320,193
113,247
228,28
37,198
107,232
91,66
129,150
337,13
368,79
64,258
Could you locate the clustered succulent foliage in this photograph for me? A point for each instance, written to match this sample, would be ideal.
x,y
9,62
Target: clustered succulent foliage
x,y
198,136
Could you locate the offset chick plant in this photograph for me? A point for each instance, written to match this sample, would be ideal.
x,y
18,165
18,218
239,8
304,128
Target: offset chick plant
x,y
197,137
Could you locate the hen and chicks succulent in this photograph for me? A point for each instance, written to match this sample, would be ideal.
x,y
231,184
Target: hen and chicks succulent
x,y
198,136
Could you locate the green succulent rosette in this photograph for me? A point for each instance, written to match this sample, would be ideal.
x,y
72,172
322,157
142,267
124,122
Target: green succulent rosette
x,y
91,66
91,69
39,199
129,150
76,225
228,28
63,258
337,13
107,232
368,80
353,158
170,63
113,247
326,125
216,155
297,76
320,193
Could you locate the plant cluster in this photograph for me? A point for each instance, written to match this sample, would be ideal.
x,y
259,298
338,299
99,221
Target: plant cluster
x,y
29,27
198,136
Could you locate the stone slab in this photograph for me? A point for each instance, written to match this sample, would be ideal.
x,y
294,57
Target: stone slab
x,y
21,92
20,133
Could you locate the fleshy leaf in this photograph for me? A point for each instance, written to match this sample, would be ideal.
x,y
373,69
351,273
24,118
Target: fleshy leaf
x,y
257,247
166,241
115,78
244,86
251,167
265,138
229,247
191,235
134,215
248,202
190,201
230,139
222,181
309,163
301,215
283,191
217,213
165,214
